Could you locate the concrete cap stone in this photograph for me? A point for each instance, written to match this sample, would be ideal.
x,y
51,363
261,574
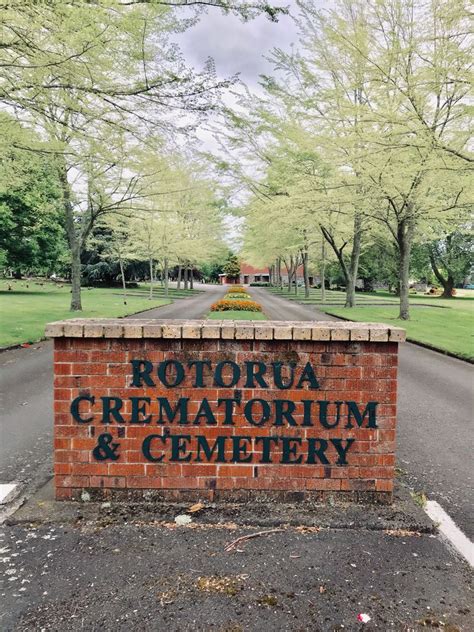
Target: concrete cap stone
x,y
224,330
211,329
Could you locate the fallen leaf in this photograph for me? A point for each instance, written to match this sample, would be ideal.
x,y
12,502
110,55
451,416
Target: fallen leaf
x,y
402,533
196,507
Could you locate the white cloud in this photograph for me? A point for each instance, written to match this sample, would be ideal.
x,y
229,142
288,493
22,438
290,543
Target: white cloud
x,y
235,46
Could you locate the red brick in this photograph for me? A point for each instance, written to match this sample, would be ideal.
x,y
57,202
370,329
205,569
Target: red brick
x,y
62,368
126,469
360,372
108,481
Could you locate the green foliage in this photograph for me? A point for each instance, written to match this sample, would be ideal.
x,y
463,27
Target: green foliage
x,y
453,255
232,266
32,236
378,263
362,133
238,295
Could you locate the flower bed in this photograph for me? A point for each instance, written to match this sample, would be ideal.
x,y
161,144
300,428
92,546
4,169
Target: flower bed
x,y
234,295
226,305
235,289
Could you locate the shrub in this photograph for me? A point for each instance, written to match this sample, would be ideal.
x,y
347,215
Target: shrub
x,y
226,305
233,295
259,284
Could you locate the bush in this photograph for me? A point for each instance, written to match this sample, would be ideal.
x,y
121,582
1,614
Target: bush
x,y
226,305
234,295
259,284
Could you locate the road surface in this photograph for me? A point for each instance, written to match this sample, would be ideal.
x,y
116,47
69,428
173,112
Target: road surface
x,y
435,417
435,410
26,378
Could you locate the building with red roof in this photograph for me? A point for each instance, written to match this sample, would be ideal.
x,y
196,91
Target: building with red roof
x,y
250,274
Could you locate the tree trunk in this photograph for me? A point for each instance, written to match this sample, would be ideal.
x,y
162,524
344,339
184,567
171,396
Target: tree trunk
x,y
151,279
73,240
185,274
339,254
446,282
191,278
354,264
289,275
165,275
178,284
323,271
304,257
280,278
404,239
448,288
124,283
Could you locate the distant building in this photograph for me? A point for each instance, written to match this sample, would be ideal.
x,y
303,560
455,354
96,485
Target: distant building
x,y
249,274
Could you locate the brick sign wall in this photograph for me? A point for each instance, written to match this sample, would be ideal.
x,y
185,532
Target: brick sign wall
x,y
207,409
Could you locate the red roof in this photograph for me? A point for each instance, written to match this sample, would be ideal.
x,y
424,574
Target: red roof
x,y
245,268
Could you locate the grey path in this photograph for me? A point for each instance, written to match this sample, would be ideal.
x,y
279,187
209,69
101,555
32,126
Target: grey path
x,y
277,308
435,409
435,418
194,307
124,577
121,574
26,387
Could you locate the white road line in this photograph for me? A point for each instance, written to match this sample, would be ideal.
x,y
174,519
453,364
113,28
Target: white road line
x,y
450,530
5,490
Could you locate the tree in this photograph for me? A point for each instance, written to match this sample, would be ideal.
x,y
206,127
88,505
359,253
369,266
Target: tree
x,y
32,236
231,267
117,244
92,79
379,89
451,260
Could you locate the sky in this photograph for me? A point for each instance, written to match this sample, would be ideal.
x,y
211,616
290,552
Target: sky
x,y
236,46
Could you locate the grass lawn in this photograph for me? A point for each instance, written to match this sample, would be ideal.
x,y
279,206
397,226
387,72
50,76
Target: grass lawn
x,y
334,297
25,311
236,315
450,329
444,324
144,289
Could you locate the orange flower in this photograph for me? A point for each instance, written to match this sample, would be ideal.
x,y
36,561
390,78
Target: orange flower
x,y
229,305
